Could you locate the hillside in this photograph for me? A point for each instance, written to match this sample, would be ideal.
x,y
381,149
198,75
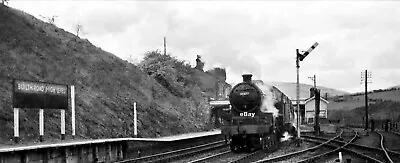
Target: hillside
x,y
379,110
105,85
351,101
290,90
394,87
393,95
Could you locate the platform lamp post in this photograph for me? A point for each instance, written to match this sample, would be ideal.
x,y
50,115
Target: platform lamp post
x,y
300,57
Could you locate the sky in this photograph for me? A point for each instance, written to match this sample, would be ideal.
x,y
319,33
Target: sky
x,y
257,37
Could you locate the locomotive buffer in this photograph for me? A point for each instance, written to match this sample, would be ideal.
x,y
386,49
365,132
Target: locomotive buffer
x,y
300,57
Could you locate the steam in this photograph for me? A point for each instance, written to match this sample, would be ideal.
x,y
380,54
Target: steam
x,y
294,122
286,136
269,100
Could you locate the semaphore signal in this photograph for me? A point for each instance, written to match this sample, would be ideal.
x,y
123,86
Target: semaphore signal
x,y
300,57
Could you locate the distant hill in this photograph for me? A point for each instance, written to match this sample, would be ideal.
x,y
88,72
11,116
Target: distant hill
x,y
351,101
290,90
106,86
377,111
350,108
396,86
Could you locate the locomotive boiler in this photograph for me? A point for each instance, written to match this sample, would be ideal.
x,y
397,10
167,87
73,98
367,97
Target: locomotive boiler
x,y
258,117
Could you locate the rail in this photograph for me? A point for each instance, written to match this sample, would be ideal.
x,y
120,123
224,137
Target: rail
x,y
177,153
293,154
382,139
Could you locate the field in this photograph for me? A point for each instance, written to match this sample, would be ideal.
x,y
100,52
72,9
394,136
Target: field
x,y
351,109
349,102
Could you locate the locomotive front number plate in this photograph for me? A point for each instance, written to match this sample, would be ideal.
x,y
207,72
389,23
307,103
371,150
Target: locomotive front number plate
x,y
244,93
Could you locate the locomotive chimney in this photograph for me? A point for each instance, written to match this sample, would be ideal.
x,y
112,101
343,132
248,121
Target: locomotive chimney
x,y
247,77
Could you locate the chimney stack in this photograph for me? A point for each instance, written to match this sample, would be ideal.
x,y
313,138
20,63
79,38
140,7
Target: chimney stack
x,y
247,77
312,93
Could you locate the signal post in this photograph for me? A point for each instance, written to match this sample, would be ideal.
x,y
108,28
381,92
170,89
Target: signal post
x,y
300,57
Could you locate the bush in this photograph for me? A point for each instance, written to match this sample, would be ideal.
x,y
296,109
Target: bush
x,y
175,75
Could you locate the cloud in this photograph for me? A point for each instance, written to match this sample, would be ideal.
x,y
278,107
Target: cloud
x,y
390,59
116,21
258,37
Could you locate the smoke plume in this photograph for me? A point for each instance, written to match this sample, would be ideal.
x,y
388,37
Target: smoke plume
x,y
286,136
269,100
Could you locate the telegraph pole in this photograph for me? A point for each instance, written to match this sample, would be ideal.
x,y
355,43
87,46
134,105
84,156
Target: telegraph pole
x,y
315,81
364,77
300,57
165,46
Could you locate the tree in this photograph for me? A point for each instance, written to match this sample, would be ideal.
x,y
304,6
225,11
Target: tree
x,y
79,29
4,2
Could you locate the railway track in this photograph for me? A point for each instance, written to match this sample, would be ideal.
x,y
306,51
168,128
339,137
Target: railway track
x,y
297,153
393,140
382,142
370,150
354,150
396,133
207,158
365,153
177,154
370,154
230,157
332,152
389,144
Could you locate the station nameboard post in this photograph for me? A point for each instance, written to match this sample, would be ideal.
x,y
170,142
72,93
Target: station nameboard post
x,y
134,120
16,116
62,124
16,125
41,125
29,94
73,110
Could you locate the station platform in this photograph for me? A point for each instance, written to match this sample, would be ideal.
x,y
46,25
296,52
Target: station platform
x,y
66,143
185,136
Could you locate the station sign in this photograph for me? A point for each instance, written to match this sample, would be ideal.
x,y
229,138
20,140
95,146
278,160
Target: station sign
x,y
29,94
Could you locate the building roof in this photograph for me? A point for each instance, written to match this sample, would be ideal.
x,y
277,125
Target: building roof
x,y
301,100
312,98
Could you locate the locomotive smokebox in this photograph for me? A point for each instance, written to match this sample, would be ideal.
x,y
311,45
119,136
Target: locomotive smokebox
x,y
247,78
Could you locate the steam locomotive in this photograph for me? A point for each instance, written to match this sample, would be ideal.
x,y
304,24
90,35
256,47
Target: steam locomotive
x,y
258,116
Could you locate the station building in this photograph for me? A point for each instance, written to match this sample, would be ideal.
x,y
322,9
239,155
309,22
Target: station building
x,y
307,109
